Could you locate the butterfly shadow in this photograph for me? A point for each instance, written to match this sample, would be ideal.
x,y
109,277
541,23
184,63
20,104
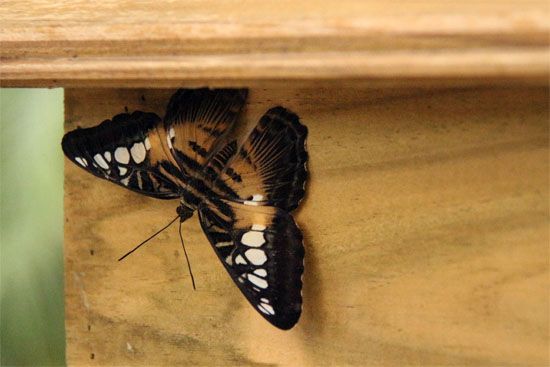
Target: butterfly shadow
x,y
314,312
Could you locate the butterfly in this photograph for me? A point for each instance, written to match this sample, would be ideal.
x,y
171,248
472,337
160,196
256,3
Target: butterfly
x,y
243,193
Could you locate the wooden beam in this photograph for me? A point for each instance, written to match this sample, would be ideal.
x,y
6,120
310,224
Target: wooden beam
x,y
127,43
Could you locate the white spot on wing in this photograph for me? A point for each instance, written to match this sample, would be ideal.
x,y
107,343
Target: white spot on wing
x,y
268,308
260,272
138,152
139,181
125,181
229,260
263,309
122,170
253,239
147,143
122,155
107,156
256,257
81,161
259,282
240,260
258,227
99,159
255,199
224,244
171,132
264,300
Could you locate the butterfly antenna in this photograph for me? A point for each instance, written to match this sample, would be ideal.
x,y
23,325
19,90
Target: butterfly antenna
x,y
144,242
187,258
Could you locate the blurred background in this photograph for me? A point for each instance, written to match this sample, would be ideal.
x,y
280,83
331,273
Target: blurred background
x,y
31,232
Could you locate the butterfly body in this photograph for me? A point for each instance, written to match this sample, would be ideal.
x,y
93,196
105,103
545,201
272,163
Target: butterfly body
x,y
243,194
184,212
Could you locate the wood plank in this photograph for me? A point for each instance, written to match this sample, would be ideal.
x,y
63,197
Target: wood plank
x,y
426,227
131,43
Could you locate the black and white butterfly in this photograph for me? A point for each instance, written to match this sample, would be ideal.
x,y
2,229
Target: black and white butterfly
x,y
243,194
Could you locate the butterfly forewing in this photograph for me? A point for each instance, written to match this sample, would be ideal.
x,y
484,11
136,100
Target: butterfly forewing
x,y
261,248
127,150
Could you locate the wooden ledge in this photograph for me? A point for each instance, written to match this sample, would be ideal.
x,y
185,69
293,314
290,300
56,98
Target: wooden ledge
x,y
125,43
251,69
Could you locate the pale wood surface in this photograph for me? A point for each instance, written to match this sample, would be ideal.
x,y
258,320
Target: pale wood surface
x,y
174,43
426,227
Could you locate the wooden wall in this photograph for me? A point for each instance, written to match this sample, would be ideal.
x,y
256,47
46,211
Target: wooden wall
x,y
426,229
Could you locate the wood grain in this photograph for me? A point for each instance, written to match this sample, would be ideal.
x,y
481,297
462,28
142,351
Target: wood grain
x,y
131,43
426,226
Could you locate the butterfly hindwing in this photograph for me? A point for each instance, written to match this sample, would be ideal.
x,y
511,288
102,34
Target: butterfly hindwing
x,y
198,120
270,167
261,248
127,150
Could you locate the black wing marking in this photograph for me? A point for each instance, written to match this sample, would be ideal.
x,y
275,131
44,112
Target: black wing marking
x,y
197,121
270,167
261,248
129,151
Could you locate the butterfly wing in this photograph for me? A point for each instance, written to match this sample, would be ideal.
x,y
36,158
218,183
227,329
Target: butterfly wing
x,y
270,167
250,229
261,248
129,150
197,121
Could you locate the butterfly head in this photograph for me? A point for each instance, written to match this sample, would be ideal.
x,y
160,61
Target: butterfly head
x,y
184,212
